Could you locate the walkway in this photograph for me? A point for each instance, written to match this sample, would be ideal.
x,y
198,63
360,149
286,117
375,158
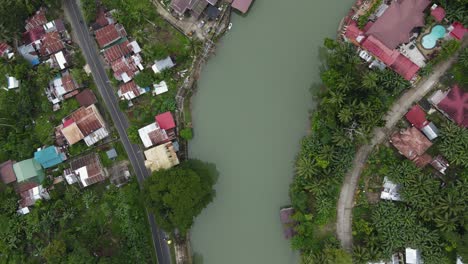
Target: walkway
x,y
399,108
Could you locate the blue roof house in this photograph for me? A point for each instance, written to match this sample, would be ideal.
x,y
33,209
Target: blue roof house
x,y
49,157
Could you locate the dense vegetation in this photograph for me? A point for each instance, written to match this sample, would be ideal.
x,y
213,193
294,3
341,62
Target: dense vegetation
x,y
90,226
456,10
432,216
352,101
179,194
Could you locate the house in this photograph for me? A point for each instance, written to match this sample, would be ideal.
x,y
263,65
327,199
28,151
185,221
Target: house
x,y
437,12
117,51
109,34
29,171
455,105
55,26
86,170
161,157
440,164
50,156
393,27
457,30
86,98
161,65
412,144
37,20
242,5
152,135
85,123
130,90
111,154
59,61
417,117
61,87
30,193
196,7
166,121
390,191
413,256
103,19
125,68
51,43
287,222
13,83
160,88
7,173
6,50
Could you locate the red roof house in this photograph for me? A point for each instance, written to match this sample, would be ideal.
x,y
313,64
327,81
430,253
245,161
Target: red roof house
x,y
405,67
353,32
395,25
242,5
165,121
117,51
458,30
7,174
109,34
33,35
37,20
86,98
412,144
455,105
438,13
417,117
51,43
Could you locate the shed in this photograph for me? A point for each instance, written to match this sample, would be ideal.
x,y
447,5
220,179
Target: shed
x,y
29,170
431,131
212,12
437,12
165,121
86,97
160,88
161,65
7,174
49,157
112,153
412,256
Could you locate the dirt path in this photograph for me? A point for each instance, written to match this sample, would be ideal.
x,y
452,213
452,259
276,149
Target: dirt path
x,y
399,108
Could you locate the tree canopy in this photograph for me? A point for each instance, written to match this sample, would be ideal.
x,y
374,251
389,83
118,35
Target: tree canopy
x,y
178,195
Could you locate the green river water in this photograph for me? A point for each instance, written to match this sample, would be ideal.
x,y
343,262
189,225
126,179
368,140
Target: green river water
x,y
249,114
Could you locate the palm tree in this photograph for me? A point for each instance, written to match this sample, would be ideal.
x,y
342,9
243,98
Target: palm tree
x,y
345,115
306,167
369,80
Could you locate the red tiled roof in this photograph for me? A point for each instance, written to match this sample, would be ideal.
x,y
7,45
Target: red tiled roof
x,y
438,13
33,35
417,117
242,5
352,31
396,23
458,31
165,121
122,65
392,58
117,51
36,20
411,143
129,87
7,174
368,25
68,83
86,97
87,119
455,104
51,43
109,34
405,67
4,47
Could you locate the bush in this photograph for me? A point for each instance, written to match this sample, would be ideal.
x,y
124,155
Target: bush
x,y
186,133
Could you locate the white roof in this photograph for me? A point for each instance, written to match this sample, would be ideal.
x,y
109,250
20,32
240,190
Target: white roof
x,y
58,86
96,136
390,191
144,131
459,260
23,211
412,256
160,65
60,58
83,173
49,26
437,96
160,88
125,77
431,131
135,47
12,82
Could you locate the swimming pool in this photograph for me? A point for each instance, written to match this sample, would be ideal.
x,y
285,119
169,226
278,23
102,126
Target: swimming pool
x,y
429,41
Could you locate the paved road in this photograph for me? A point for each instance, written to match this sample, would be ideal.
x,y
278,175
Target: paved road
x,y
134,153
399,108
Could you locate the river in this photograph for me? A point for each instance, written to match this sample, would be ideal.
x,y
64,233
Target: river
x,y
249,114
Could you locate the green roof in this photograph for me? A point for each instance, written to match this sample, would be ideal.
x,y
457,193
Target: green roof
x,y
29,170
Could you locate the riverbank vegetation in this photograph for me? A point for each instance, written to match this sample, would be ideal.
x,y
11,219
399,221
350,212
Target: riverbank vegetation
x,y
76,226
353,99
177,195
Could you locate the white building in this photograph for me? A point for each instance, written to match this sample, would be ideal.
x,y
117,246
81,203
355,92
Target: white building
x,y
390,191
161,65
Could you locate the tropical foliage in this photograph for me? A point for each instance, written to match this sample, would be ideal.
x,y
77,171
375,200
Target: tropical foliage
x,y
454,144
178,195
91,226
